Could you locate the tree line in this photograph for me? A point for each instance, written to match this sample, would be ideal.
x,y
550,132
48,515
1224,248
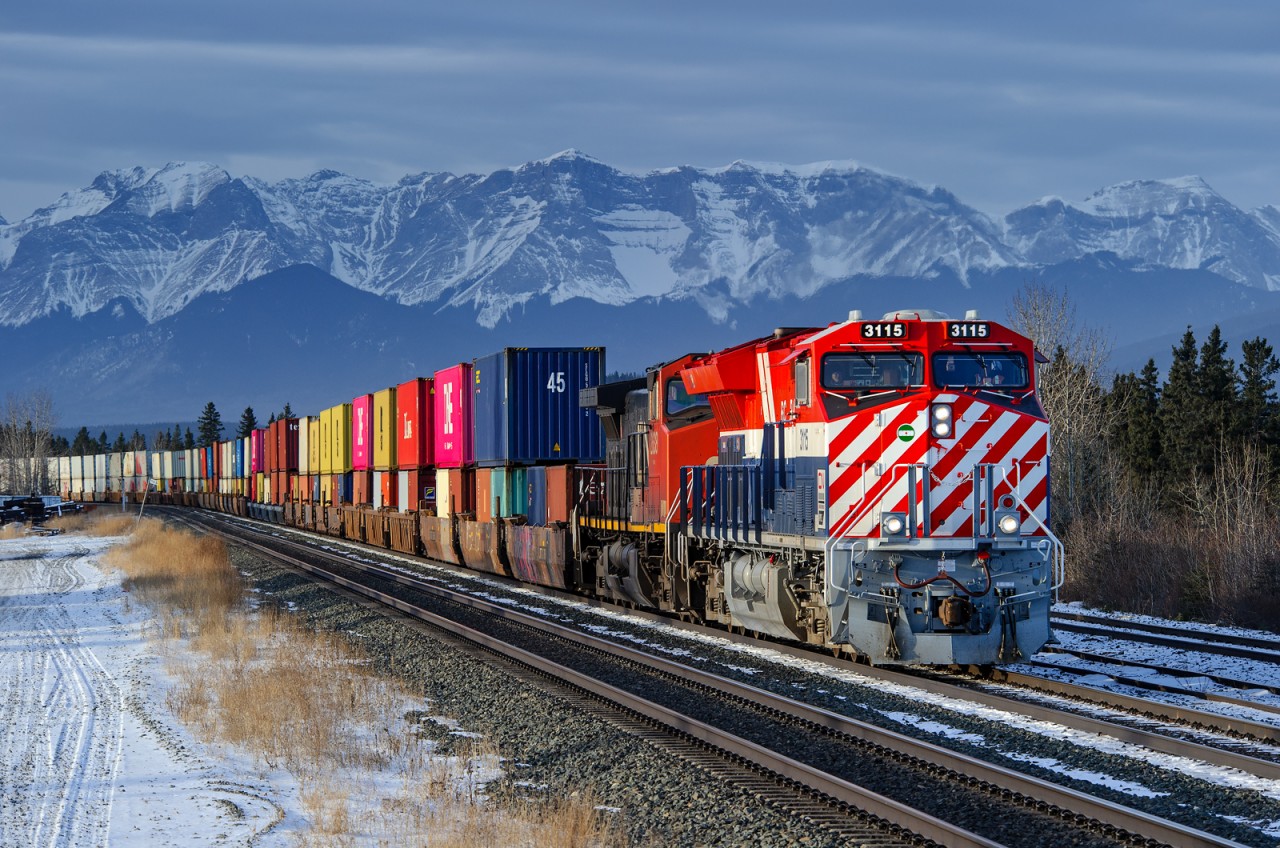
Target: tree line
x,y
1165,487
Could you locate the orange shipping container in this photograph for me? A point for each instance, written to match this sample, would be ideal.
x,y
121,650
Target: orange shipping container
x,y
484,486
559,492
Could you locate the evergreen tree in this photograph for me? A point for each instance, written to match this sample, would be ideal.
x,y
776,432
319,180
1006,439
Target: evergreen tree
x,y
137,442
102,442
248,423
1218,399
60,446
1257,419
188,441
84,444
271,420
1135,407
288,411
209,425
120,445
1180,411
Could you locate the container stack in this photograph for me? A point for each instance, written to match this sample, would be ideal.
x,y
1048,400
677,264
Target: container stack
x,y
415,446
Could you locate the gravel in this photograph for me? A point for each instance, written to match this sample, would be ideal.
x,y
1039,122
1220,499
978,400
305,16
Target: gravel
x,y
543,742
1178,796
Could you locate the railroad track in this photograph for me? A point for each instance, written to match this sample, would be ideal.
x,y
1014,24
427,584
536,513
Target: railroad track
x,y
1070,809
1266,650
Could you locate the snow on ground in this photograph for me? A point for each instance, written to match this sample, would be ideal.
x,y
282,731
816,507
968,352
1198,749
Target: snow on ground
x,y
91,754
620,624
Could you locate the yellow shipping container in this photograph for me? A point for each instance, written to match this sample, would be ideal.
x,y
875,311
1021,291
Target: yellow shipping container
x,y
340,434
326,489
384,430
326,441
315,444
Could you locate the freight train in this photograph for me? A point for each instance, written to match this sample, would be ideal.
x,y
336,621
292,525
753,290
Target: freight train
x,y
876,487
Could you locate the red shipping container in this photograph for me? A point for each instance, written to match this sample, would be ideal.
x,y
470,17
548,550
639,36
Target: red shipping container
x,y
361,433
454,434
287,445
462,490
390,489
415,410
269,448
362,487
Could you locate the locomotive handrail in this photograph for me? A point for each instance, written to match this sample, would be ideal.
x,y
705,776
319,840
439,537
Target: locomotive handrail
x,y
1058,551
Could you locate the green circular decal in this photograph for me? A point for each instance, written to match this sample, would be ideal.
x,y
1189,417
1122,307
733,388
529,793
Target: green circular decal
x,y
906,433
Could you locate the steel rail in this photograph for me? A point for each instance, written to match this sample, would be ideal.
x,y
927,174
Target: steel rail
x,y
1122,625
1271,655
839,790
1027,786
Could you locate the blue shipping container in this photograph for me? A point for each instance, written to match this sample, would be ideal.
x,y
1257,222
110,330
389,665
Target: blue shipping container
x,y
526,406
537,484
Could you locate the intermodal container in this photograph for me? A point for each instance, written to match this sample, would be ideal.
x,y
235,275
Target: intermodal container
x,y
526,406
270,440
361,432
304,444
385,489
257,444
340,434
415,486
383,456
288,444
315,445
326,441
415,411
537,494
454,398
100,473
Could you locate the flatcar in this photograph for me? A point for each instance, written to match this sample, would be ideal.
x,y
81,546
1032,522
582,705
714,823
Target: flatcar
x,y
876,487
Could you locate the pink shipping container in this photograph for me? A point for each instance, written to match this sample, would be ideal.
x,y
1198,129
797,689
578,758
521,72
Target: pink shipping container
x,y
454,433
416,414
361,432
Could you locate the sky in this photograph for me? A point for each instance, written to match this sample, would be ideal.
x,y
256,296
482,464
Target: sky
x,y
1002,103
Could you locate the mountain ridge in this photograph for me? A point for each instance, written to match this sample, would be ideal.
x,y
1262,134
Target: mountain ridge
x,y
572,226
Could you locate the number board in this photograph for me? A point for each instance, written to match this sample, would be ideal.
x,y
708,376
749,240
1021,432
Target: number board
x,y
968,330
884,330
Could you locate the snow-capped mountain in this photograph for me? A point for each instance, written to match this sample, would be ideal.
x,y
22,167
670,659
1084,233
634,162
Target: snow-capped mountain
x,y
1178,223
152,290
560,228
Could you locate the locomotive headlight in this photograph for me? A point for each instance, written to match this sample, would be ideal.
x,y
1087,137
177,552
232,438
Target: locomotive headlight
x,y
940,423
893,524
1008,524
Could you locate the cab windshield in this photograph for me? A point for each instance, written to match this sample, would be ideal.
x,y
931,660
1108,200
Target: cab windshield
x,y
679,400
869,371
967,369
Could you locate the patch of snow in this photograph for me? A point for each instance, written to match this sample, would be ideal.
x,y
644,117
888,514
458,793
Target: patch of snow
x,y
1097,778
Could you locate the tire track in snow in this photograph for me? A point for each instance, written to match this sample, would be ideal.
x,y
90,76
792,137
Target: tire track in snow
x,y
61,727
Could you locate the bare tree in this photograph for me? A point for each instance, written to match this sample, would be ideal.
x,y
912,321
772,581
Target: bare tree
x,y
1070,388
26,436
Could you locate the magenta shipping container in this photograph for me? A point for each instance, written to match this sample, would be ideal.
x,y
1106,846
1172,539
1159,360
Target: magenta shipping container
x,y
361,432
454,437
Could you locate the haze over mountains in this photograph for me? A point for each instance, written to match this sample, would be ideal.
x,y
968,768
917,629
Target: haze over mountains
x,y
154,290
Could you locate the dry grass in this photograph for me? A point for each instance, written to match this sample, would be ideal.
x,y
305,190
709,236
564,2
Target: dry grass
x,y
308,702
12,531
95,523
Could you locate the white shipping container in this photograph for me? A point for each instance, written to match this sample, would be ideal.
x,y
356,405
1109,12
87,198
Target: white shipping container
x,y
114,471
402,492
377,489
304,445
100,472
442,495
